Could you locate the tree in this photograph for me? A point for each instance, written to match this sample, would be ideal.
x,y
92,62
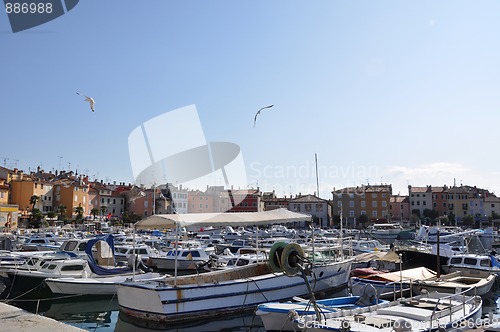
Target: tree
x,y
362,220
79,214
36,218
336,220
33,200
94,212
62,212
103,210
468,220
431,214
51,215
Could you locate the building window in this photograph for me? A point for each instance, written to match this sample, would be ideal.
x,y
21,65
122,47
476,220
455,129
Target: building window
x,y
76,198
339,204
374,195
351,204
383,196
424,203
384,203
363,203
363,212
351,213
351,195
374,214
374,204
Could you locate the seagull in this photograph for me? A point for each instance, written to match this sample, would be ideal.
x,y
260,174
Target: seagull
x,y
90,100
258,112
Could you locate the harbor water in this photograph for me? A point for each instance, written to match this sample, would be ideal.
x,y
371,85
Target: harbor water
x,y
102,314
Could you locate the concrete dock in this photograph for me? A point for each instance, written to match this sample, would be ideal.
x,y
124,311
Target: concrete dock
x,y
13,319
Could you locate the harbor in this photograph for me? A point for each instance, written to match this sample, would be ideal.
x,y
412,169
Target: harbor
x,y
109,309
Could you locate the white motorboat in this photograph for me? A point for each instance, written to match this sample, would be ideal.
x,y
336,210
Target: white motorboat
x,y
104,285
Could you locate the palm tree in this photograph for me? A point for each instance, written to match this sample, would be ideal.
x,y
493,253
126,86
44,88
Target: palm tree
x,y
62,212
79,213
33,200
103,210
94,212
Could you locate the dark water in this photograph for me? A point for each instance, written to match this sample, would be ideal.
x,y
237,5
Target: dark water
x,y
101,314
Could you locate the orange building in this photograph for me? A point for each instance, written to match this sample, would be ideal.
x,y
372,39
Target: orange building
x,y
71,194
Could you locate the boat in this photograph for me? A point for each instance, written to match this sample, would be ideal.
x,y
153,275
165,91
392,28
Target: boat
x,y
366,245
392,284
430,311
218,293
384,231
37,243
475,264
180,258
456,282
98,261
275,315
103,285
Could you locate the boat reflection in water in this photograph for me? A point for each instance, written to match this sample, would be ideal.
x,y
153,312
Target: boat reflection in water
x,y
248,322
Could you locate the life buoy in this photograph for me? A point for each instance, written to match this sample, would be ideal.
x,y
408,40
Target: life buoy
x,y
275,256
289,259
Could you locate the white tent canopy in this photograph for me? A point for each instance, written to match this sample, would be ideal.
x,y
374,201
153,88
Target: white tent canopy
x,y
278,216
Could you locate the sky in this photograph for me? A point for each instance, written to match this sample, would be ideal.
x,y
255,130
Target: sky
x,y
396,92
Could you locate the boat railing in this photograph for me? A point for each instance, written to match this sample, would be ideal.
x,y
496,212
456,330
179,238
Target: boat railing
x,y
461,296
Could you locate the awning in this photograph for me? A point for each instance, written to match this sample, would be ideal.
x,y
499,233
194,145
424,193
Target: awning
x,y
278,216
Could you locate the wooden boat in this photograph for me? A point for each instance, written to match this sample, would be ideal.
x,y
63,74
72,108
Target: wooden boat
x,y
392,284
456,282
426,312
217,293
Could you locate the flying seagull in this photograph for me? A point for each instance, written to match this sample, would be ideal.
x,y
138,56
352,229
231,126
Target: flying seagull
x,y
90,100
258,112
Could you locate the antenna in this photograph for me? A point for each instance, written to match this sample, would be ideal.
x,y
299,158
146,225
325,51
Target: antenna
x,y
317,179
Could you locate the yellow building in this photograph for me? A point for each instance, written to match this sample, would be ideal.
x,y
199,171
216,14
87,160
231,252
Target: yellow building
x,y
8,212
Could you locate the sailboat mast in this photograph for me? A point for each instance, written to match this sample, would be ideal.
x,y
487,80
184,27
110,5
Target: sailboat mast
x,y
317,178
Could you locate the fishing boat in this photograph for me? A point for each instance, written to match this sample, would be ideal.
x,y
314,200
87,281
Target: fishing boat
x,y
456,282
431,311
474,264
217,293
392,284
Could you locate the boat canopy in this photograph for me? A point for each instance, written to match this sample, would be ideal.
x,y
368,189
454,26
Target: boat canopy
x,y
278,216
418,273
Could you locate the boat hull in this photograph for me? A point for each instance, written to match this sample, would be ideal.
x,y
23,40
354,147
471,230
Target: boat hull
x,y
94,286
168,303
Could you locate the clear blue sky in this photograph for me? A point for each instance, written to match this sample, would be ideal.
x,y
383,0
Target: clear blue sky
x,y
401,92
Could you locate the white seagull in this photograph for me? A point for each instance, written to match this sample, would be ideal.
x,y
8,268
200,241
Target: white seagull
x,y
258,112
90,100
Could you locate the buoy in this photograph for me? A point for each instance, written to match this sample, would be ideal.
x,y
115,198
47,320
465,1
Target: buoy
x,y
275,256
289,259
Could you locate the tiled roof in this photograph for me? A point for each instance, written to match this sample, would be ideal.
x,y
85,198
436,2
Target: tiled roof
x,y
307,198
